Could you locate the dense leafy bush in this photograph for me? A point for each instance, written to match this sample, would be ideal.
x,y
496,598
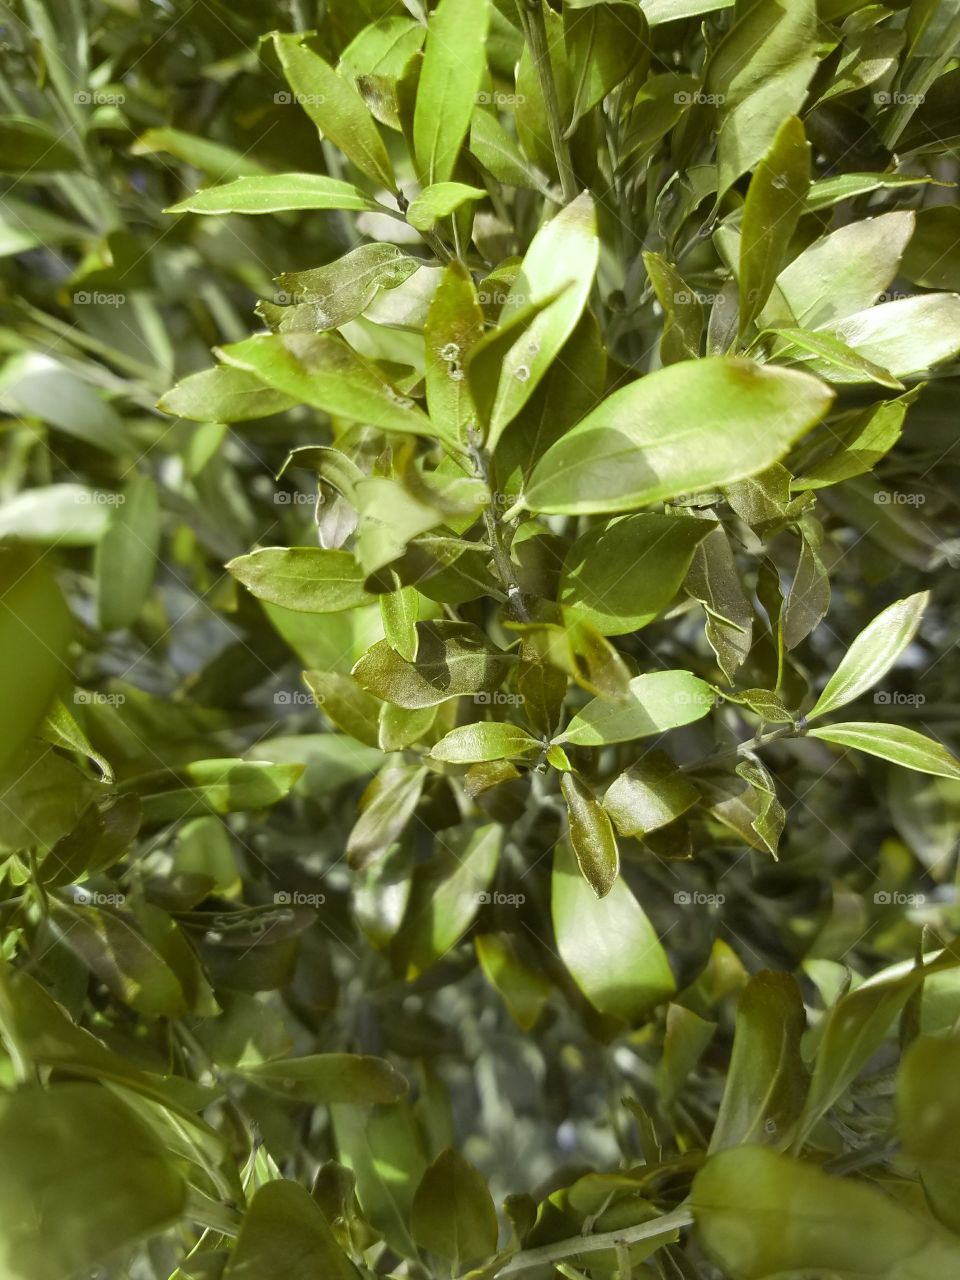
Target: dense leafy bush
x,y
480,739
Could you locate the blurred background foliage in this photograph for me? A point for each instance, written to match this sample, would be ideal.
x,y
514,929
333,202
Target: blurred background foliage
x,y
227,931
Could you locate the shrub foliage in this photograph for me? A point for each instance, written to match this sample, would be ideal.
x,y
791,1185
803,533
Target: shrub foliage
x,y
475,789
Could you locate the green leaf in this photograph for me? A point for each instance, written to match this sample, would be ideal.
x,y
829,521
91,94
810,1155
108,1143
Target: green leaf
x,y
336,108
661,11
399,611
932,258
856,444
485,741
845,271
453,1213
770,816
683,314
844,186
440,200
648,795
126,557
387,807
591,835
809,597
218,786
608,945
525,991
69,515
759,1214
771,212
345,704
833,359
130,1191
384,1149
447,893
224,394
619,577
688,427
928,1120
906,336
873,653
453,659
113,948
305,579
562,256
319,369
893,742
714,580
453,327
758,75
328,297
285,1235
857,1026
454,61
35,386
32,148
766,1080
31,606
327,1078
606,43
658,701
276,193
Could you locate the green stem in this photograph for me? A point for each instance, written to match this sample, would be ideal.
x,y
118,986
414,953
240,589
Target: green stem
x,y
552,1253
535,32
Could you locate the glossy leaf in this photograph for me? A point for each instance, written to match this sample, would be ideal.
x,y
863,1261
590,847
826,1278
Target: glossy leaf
x,y
682,429
305,579
453,64
771,212
619,577
276,193
320,370
591,835
873,653
657,702
131,1191
453,1215
608,945
895,743
562,256
335,106
485,741
453,658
